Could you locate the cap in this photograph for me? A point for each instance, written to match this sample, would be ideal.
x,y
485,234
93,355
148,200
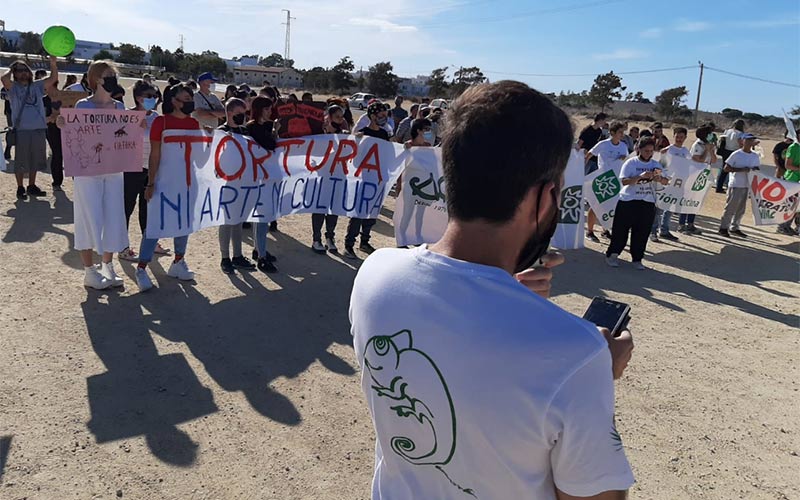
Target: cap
x,y
375,108
747,135
206,76
147,75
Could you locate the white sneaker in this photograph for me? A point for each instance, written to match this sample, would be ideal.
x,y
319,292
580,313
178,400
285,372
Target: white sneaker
x,y
93,279
181,271
331,246
639,266
108,272
654,237
129,255
613,260
317,247
143,280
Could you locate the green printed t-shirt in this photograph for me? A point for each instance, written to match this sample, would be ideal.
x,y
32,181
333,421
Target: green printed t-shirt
x,y
793,153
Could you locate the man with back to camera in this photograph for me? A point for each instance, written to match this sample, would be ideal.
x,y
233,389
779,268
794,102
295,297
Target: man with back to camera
x,y
477,387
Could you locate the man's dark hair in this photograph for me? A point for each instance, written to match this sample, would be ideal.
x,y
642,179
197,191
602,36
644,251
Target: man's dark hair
x,y
679,130
645,133
600,116
739,125
658,125
419,125
501,140
616,127
703,131
646,141
307,96
634,128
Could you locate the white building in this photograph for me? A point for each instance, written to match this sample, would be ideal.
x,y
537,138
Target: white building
x,y
259,75
417,86
84,49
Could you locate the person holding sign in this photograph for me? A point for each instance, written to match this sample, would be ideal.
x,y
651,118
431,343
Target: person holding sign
x,y
231,234
177,107
609,155
99,199
28,122
792,174
702,151
265,132
378,119
636,207
738,164
663,217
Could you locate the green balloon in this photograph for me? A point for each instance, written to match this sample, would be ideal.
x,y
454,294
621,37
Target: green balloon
x,y
58,41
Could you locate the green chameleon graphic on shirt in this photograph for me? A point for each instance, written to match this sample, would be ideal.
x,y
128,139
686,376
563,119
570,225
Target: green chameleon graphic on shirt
x,y
413,387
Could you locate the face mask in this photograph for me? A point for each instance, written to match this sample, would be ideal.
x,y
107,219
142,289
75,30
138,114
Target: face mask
x,y
604,131
239,119
538,244
428,136
187,108
110,84
711,138
149,103
381,121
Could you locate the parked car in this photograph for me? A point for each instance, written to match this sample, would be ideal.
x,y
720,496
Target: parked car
x,y
439,103
360,100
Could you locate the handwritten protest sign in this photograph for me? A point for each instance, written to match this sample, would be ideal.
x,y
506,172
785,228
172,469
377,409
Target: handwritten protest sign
x,y
687,188
213,178
101,141
301,119
420,215
569,232
774,201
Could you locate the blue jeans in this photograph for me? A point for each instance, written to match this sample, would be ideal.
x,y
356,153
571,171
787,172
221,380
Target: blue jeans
x,y
260,230
662,219
148,248
686,219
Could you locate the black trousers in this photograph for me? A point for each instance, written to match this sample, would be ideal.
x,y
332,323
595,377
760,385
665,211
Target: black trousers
x,y
135,184
634,217
57,161
723,176
330,226
364,226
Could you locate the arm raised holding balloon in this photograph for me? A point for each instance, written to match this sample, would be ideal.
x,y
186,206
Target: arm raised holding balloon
x,y
52,80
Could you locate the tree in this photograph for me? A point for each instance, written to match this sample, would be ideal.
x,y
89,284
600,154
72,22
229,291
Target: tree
x,y
194,64
103,54
573,99
753,117
732,113
30,43
795,111
605,90
341,79
317,79
275,60
465,78
381,81
639,97
130,54
437,82
669,101
163,58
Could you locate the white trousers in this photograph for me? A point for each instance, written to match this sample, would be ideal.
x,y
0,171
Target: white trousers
x,y
99,207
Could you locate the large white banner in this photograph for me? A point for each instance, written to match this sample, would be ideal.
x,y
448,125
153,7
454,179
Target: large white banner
x,y
209,179
569,232
687,188
774,201
420,215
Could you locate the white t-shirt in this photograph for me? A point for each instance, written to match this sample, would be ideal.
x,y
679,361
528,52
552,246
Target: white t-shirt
x,y
609,155
208,102
644,190
476,384
678,151
77,87
699,149
740,159
732,139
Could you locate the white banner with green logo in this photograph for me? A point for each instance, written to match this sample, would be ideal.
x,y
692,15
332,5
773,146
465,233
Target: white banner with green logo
x,y
420,214
569,233
601,189
687,188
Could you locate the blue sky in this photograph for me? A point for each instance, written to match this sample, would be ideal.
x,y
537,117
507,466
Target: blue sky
x,y
505,38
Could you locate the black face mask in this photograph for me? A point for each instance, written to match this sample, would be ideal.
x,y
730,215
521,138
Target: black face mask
x,y
110,84
187,108
239,119
538,244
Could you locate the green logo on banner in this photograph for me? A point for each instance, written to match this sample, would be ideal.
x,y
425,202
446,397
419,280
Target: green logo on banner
x,y
606,186
701,181
570,208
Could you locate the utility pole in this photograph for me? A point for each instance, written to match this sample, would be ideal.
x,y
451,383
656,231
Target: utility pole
x,y
182,40
288,24
699,88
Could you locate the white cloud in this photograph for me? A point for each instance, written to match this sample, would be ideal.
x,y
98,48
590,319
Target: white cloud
x,y
620,54
652,33
771,23
692,26
382,24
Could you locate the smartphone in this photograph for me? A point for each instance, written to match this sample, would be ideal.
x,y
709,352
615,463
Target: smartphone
x,y
609,314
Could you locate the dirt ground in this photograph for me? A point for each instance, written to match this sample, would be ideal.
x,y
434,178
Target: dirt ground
x,y
246,387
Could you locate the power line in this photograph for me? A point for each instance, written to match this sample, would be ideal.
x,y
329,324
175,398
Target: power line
x,y
793,85
659,70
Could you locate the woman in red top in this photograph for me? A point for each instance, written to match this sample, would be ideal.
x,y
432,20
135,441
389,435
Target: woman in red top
x,y
177,108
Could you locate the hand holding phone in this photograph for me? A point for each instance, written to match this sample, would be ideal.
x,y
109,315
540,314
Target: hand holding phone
x,y
610,314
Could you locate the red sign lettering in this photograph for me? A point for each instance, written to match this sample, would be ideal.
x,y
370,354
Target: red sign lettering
x,y
188,140
374,166
218,168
